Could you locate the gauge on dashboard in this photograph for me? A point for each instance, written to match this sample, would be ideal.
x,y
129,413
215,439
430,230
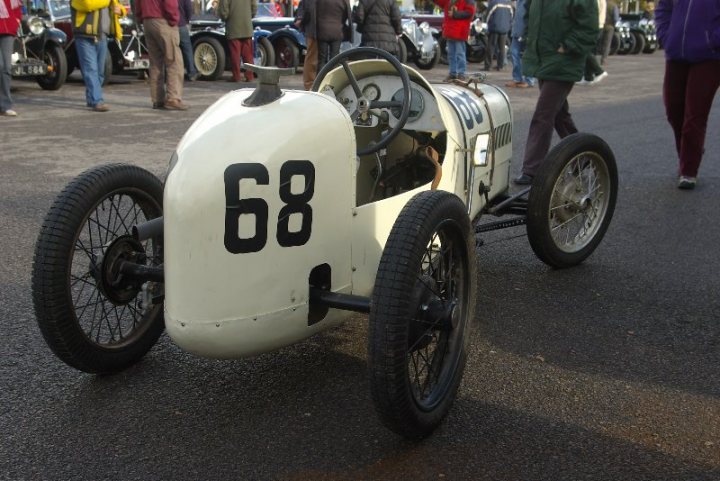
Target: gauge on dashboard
x,y
371,92
417,104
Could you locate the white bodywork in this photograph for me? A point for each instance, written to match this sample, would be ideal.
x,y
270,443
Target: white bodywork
x,y
224,304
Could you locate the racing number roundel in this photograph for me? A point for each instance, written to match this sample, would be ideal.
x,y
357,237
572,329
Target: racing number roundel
x,y
294,203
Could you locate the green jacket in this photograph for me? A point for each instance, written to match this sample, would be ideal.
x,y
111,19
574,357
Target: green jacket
x,y
237,15
552,24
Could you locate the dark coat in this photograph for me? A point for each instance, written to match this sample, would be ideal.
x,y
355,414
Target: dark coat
x,y
570,24
331,16
381,25
689,31
500,15
305,17
237,15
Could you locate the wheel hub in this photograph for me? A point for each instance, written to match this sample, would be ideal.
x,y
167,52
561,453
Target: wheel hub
x,y
432,313
119,289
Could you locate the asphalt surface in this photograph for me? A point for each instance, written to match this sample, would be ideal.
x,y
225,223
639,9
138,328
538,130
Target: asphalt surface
x,y
607,371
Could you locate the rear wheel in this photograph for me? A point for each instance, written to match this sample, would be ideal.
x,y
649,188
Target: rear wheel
x,y
209,58
55,58
572,200
423,304
287,53
93,317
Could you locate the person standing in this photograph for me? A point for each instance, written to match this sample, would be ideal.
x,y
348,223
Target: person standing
x,y
455,30
92,22
160,22
499,21
379,23
238,15
305,21
185,8
560,35
612,17
517,46
332,15
690,32
10,14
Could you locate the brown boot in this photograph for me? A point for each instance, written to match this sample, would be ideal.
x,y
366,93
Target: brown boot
x,y
175,104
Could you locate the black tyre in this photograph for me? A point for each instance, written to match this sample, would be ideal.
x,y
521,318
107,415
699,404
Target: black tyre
x,y
287,53
209,58
429,64
572,200
92,317
475,53
54,56
402,53
423,304
650,47
639,44
265,52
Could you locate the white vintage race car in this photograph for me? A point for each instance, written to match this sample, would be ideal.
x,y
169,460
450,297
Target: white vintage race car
x,y
368,206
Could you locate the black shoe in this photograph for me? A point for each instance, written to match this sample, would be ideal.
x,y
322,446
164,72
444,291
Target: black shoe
x,y
159,105
523,179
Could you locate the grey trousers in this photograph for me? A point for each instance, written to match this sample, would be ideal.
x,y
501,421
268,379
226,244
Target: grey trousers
x,y
6,47
552,111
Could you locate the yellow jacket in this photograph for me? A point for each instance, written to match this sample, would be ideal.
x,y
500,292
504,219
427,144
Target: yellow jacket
x,y
87,20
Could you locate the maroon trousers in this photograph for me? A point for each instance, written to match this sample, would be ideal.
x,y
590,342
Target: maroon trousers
x,y
241,47
552,111
688,92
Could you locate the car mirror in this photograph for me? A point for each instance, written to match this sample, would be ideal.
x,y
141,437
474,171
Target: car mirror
x,y
480,149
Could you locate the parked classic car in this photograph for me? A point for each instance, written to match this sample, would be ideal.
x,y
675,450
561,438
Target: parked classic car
x,y
643,29
418,44
38,51
251,244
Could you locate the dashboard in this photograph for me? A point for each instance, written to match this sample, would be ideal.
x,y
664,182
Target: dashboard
x,y
424,112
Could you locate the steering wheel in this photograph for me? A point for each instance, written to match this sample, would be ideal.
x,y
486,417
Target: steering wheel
x,y
363,104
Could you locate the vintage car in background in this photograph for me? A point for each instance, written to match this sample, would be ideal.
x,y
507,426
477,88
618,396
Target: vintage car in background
x,y
418,44
39,49
644,31
211,52
475,46
370,204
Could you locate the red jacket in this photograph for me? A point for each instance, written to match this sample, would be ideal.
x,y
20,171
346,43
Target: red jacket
x,y
458,16
167,9
9,26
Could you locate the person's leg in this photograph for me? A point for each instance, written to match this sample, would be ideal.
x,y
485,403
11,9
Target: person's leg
x,y
187,52
552,99
101,50
87,55
334,49
515,57
461,59
6,48
310,66
156,74
452,57
173,62
322,53
235,53
607,36
702,83
246,51
502,53
674,88
592,67
490,41
564,124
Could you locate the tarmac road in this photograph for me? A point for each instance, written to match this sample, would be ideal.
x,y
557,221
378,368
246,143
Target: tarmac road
x,y
607,371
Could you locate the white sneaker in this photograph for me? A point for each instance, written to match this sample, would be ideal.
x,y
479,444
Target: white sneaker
x,y
599,77
686,183
583,82
9,113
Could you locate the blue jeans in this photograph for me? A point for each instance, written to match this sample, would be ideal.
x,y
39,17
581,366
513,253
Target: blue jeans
x,y
456,56
516,50
91,56
187,51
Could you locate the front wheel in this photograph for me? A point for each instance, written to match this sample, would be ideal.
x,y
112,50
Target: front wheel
x,y
93,317
209,58
423,304
430,63
572,200
54,57
265,53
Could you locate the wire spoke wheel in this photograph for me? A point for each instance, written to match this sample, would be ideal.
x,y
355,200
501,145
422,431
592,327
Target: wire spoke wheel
x,y
94,316
572,201
422,307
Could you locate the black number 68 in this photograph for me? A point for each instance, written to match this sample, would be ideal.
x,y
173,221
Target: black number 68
x,y
236,205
